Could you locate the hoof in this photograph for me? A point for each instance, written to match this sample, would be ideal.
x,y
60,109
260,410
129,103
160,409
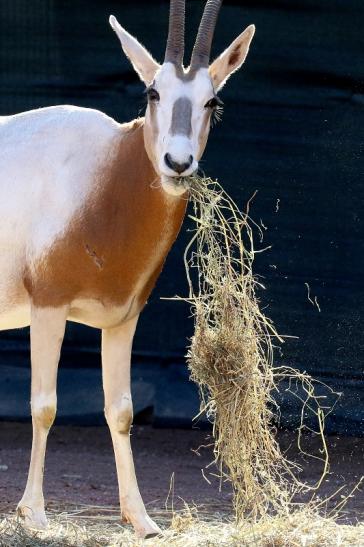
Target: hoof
x,y
153,535
147,530
32,518
144,526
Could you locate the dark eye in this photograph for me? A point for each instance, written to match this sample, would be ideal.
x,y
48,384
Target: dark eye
x,y
216,106
153,95
215,102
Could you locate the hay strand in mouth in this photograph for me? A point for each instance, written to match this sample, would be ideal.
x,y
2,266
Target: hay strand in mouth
x,y
231,355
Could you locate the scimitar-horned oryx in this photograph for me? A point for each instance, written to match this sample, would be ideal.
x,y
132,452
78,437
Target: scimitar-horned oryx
x,y
89,209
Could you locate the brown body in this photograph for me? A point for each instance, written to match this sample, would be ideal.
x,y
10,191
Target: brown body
x,y
115,247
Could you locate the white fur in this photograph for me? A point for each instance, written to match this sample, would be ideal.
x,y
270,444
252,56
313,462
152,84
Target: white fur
x,y
170,88
48,159
141,59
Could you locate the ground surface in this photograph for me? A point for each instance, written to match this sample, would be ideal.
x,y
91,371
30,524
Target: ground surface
x,y
80,468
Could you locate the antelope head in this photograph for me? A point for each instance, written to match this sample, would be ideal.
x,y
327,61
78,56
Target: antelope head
x,y
182,102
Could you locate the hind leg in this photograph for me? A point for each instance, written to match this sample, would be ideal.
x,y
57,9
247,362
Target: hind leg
x,y
46,336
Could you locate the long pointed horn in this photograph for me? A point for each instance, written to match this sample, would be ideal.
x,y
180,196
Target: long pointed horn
x,y
176,33
202,48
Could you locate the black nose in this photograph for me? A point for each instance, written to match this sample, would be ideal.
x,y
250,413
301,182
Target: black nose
x,y
175,166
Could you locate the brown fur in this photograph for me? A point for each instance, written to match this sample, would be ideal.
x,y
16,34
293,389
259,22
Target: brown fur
x,y
45,416
234,55
126,228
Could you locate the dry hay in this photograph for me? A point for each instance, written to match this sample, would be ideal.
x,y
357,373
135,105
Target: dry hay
x,y
231,357
75,528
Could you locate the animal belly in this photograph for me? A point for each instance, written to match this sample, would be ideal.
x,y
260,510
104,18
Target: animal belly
x,y
14,300
98,314
15,317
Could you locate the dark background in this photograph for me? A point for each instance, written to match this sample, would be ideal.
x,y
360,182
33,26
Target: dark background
x,y
292,129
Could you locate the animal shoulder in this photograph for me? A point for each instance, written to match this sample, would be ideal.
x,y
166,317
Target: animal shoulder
x,y
57,147
56,122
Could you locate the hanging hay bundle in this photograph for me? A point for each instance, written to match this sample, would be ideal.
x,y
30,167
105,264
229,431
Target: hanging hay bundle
x,y
231,353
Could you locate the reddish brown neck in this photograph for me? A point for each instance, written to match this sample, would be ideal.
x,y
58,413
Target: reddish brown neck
x,y
116,246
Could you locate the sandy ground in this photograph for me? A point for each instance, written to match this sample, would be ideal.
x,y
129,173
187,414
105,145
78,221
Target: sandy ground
x,y
80,468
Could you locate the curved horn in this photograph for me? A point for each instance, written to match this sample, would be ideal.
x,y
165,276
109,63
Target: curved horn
x,y
176,33
202,48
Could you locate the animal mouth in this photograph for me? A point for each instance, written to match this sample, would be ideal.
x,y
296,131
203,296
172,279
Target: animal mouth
x,y
182,182
177,185
179,180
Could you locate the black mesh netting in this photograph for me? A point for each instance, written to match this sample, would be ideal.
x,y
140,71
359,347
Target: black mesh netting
x,y
292,129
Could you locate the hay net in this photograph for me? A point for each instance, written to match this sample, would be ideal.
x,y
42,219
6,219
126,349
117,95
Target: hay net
x,y
231,353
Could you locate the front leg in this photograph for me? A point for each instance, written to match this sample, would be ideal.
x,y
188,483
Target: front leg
x,y
46,335
116,355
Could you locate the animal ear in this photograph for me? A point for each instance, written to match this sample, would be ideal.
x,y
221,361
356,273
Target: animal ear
x,y
231,59
140,58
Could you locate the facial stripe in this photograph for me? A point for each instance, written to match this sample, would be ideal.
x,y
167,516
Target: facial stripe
x,y
181,117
